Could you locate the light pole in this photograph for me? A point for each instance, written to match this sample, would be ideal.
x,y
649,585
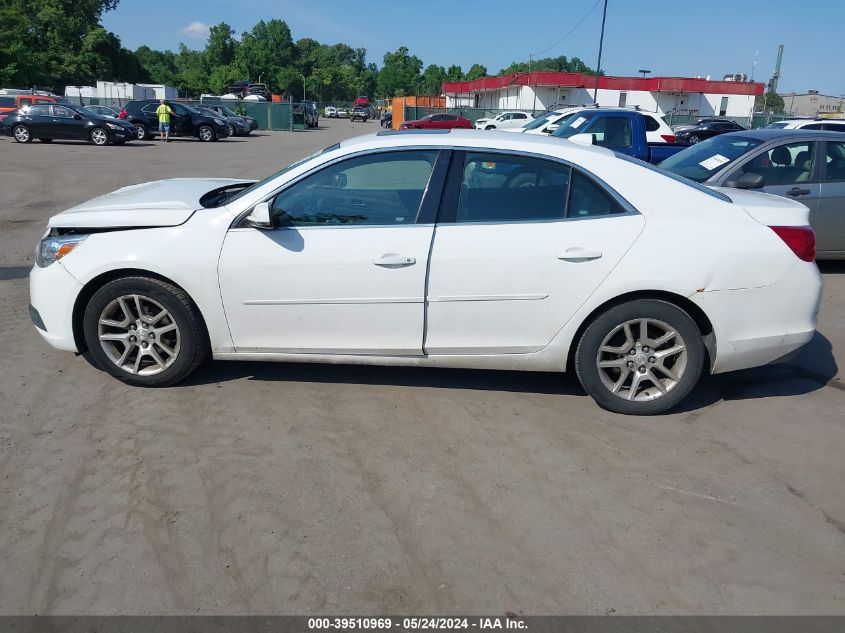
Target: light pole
x,y
601,44
644,72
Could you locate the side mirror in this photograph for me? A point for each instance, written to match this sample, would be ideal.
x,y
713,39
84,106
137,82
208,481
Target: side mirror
x,y
260,218
748,180
583,139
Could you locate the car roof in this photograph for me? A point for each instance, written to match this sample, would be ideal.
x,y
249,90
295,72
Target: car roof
x,y
766,134
472,139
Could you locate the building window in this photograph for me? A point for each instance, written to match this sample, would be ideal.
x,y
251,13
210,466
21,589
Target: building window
x,y
623,99
723,108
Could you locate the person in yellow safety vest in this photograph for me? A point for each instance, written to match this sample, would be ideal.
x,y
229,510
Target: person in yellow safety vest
x,y
163,111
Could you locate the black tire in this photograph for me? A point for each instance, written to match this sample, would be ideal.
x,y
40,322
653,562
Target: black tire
x,y
231,130
206,133
22,134
99,136
586,357
193,342
142,131
46,140
490,127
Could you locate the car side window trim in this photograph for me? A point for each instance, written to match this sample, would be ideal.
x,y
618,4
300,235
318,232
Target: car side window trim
x,y
433,189
451,195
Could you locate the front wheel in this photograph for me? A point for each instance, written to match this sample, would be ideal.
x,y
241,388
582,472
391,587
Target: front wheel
x,y
144,331
231,130
640,357
99,136
22,134
205,134
490,127
142,132
693,140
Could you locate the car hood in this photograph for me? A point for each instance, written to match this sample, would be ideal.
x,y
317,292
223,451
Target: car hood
x,y
157,203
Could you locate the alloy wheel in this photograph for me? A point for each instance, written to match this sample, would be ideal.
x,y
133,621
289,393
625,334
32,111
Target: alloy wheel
x,y
206,133
642,359
139,335
99,136
22,134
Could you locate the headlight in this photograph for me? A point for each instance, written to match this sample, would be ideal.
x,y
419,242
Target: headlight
x,y
219,121
114,126
53,247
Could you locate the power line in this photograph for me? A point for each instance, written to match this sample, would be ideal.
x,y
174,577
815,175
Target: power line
x,y
570,31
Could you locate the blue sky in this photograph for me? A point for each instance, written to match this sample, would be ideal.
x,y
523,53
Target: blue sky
x,y
670,38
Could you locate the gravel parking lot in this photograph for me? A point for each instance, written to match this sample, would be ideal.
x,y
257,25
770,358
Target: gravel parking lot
x,y
304,489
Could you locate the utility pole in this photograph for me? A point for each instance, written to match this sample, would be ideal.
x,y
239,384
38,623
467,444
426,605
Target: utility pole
x,y
598,65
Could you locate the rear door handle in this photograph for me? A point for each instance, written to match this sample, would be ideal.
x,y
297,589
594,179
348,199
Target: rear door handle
x,y
578,254
392,260
795,191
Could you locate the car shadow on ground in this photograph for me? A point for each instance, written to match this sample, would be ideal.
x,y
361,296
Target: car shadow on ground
x,y
37,143
813,368
832,267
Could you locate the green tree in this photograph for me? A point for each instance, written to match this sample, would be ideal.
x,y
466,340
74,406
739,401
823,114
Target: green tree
x,y
769,102
191,72
454,73
267,51
559,64
433,78
400,73
220,48
160,66
477,71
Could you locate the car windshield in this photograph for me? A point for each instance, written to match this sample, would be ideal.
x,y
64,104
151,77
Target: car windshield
x,y
271,177
700,161
777,126
540,120
193,109
571,125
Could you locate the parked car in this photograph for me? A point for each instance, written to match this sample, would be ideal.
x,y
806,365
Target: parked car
x,y
546,123
831,125
47,122
225,112
504,120
8,103
307,112
260,90
438,122
330,112
235,125
623,131
185,121
803,165
342,113
700,121
566,245
361,101
706,129
105,111
359,113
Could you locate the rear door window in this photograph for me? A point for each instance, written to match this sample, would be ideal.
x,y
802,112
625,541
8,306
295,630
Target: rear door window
x,y
507,188
784,164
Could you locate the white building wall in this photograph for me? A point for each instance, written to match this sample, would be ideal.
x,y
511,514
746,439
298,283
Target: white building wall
x,y
542,97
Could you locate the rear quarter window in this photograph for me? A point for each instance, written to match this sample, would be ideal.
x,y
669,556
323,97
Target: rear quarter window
x,y
7,102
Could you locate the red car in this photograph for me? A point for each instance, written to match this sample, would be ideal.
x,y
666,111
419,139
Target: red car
x,y
438,122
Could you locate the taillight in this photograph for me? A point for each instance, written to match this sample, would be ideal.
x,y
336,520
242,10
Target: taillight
x,y
122,114
800,239
669,138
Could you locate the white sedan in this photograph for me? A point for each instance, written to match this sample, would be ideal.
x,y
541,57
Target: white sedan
x,y
504,120
445,249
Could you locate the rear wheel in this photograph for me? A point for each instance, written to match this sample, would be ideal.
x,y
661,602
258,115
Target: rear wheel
x,y
640,357
144,331
99,136
205,134
22,134
693,139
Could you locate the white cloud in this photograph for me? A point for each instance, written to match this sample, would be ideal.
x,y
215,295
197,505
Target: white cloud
x,y
198,30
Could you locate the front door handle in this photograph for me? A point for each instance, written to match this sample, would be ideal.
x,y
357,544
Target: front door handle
x,y
795,191
578,254
392,260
